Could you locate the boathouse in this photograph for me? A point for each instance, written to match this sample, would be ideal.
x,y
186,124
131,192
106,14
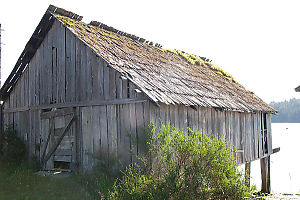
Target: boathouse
x,y
80,93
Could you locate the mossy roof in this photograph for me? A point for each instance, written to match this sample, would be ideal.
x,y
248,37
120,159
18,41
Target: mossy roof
x,y
165,76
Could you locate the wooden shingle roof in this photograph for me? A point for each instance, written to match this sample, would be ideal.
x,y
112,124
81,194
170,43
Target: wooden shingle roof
x,y
165,76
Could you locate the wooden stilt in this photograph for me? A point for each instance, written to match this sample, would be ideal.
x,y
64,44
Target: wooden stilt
x,y
247,172
265,175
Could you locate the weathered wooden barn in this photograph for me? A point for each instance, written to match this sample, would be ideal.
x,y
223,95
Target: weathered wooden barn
x,y
84,92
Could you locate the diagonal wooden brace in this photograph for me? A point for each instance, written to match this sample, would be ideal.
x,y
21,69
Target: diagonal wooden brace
x,y
58,141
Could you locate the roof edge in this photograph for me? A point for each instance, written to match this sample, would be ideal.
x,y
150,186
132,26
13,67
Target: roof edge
x,y
29,51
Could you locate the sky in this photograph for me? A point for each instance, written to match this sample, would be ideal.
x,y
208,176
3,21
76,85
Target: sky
x,y
256,41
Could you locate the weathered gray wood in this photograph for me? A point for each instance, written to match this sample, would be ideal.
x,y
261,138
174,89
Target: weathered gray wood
x,y
222,126
95,77
243,137
57,113
228,128
259,132
265,175
89,76
147,113
57,142
111,133
239,135
202,120
247,138
78,139
96,134
208,117
112,84
215,122
70,66
255,135
125,143
64,158
140,136
86,140
37,80
133,133
177,118
196,119
83,82
106,82
54,74
61,63
163,114
190,118
77,69
269,133
49,69
49,129
104,137
181,116
119,86
63,152
80,104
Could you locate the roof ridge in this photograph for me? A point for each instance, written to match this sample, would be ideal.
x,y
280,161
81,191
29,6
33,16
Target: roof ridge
x,y
56,10
122,33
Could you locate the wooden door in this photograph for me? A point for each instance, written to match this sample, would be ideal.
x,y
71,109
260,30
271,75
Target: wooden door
x,y
58,139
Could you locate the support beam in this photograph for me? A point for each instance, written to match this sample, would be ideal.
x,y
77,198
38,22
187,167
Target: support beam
x,y
265,175
247,172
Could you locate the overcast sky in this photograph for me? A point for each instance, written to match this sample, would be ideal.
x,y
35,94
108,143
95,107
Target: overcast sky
x,y
256,41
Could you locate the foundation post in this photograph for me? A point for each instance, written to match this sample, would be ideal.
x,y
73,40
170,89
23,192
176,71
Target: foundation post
x,y
265,175
247,172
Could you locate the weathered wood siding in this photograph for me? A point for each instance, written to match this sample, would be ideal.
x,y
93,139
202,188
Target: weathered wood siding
x,y
241,130
65,72
110,112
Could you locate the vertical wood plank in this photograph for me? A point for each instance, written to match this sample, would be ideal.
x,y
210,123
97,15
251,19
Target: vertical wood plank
x,y
140,137
208,119
112,132
70,66
125,144
106,81
96,131
265,175
89,76
112,84
86,139
78,70
260,152
255,135
269,132
49,69
83,76
104,134
202,120
61,63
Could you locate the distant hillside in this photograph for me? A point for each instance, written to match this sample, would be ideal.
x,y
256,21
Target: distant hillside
x,y
289,111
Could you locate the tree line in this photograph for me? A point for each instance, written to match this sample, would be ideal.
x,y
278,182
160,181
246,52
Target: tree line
x,y
289,111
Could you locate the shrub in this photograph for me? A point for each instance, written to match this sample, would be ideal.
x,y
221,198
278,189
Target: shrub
x,y
12,148
183,165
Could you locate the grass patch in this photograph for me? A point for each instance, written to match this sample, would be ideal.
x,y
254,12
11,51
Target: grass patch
x,y
18,181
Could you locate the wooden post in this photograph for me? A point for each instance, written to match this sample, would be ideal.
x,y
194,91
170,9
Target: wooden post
x,y
265,175
247,172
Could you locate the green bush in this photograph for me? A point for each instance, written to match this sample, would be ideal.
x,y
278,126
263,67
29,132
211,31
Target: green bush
x,y
12,148
183,165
